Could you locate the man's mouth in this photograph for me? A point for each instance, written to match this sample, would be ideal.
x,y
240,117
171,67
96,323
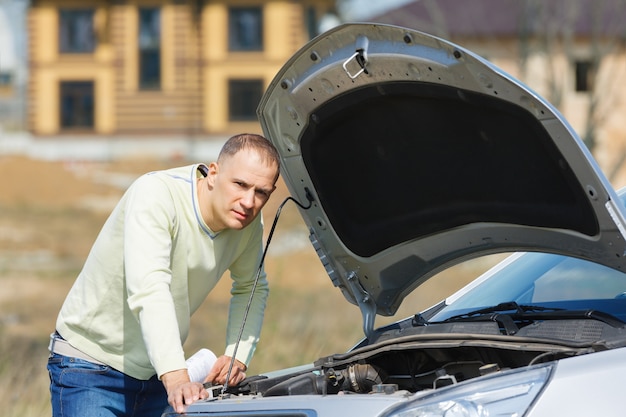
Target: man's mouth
x,y
241,215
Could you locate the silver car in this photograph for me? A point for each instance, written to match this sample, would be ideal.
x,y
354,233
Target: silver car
x,y
408,155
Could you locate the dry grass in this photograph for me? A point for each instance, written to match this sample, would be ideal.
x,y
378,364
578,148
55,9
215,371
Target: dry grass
x,y
51,213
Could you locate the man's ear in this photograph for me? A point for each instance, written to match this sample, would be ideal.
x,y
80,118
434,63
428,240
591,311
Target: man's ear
x,y
212,173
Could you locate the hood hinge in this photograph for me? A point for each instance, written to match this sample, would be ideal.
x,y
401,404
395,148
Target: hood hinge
x,y
365,303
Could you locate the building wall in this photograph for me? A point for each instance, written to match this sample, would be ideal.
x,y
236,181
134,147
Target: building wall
x,y
283,36
196,64
49,68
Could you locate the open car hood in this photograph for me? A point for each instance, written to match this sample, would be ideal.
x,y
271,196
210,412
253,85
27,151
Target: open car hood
x,y
417,154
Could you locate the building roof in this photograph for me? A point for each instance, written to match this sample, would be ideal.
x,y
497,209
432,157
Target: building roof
x,y
478,18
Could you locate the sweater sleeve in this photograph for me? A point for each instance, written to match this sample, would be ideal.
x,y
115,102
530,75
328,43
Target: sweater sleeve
x,y
243,273
150,223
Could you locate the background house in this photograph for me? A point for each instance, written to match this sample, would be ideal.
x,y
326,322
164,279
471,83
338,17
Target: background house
x,y
156,67
110,69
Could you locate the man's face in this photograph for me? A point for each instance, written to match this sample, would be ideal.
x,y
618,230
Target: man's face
x,y
241,185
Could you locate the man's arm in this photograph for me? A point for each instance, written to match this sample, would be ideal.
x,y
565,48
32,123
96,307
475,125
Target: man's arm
x,y
149,226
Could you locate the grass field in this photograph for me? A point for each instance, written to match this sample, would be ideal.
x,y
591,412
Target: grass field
x,y
51,213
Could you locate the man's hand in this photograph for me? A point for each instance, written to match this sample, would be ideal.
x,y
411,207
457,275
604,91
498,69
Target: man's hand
x,y
181,391
218,373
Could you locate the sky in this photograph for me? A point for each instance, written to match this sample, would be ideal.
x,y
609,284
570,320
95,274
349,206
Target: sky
x,y
353,10
358,10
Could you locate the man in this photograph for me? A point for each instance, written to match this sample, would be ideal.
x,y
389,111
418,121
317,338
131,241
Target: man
x,y
117,349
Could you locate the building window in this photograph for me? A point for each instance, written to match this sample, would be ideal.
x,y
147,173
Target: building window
x,y
585,72
245,29
76,31
149,48
6,78
312,23
243,98
77,104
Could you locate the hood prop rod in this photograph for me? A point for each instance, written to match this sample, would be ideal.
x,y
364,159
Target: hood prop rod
x,y
310,199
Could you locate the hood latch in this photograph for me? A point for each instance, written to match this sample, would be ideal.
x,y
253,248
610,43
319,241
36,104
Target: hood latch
x,y
357,63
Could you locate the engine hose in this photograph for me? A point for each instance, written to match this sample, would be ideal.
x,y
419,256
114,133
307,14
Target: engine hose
x,y
362,378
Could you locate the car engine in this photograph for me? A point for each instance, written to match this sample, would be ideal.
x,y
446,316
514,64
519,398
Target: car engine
x,y
430,357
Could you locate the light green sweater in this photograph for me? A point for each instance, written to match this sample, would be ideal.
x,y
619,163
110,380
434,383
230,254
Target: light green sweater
x,y
152,265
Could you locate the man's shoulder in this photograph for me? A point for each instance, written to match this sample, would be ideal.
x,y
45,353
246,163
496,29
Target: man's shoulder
x,y
185,174
158,181
185,171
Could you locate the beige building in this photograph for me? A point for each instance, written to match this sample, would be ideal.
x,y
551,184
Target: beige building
x,y
146,67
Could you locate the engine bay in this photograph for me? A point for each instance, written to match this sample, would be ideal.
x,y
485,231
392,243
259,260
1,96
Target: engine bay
x,y
423,358
410,369
413,364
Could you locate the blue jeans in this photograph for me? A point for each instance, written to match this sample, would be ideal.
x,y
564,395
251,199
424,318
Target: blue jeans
x,y
79,388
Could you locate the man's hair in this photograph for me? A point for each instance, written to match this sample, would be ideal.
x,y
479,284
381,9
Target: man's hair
x,y
264,147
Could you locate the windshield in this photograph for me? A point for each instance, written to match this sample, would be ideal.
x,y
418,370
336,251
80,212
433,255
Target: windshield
x,y
547,280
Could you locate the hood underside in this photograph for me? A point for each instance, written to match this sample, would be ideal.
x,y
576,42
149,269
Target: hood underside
x,y
476,159
418,154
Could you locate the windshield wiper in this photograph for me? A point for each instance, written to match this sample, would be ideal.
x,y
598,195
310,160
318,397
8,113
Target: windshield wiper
x,y
506,306
493,313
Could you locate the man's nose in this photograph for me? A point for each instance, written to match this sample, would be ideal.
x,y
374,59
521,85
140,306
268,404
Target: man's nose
x,y
247,200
